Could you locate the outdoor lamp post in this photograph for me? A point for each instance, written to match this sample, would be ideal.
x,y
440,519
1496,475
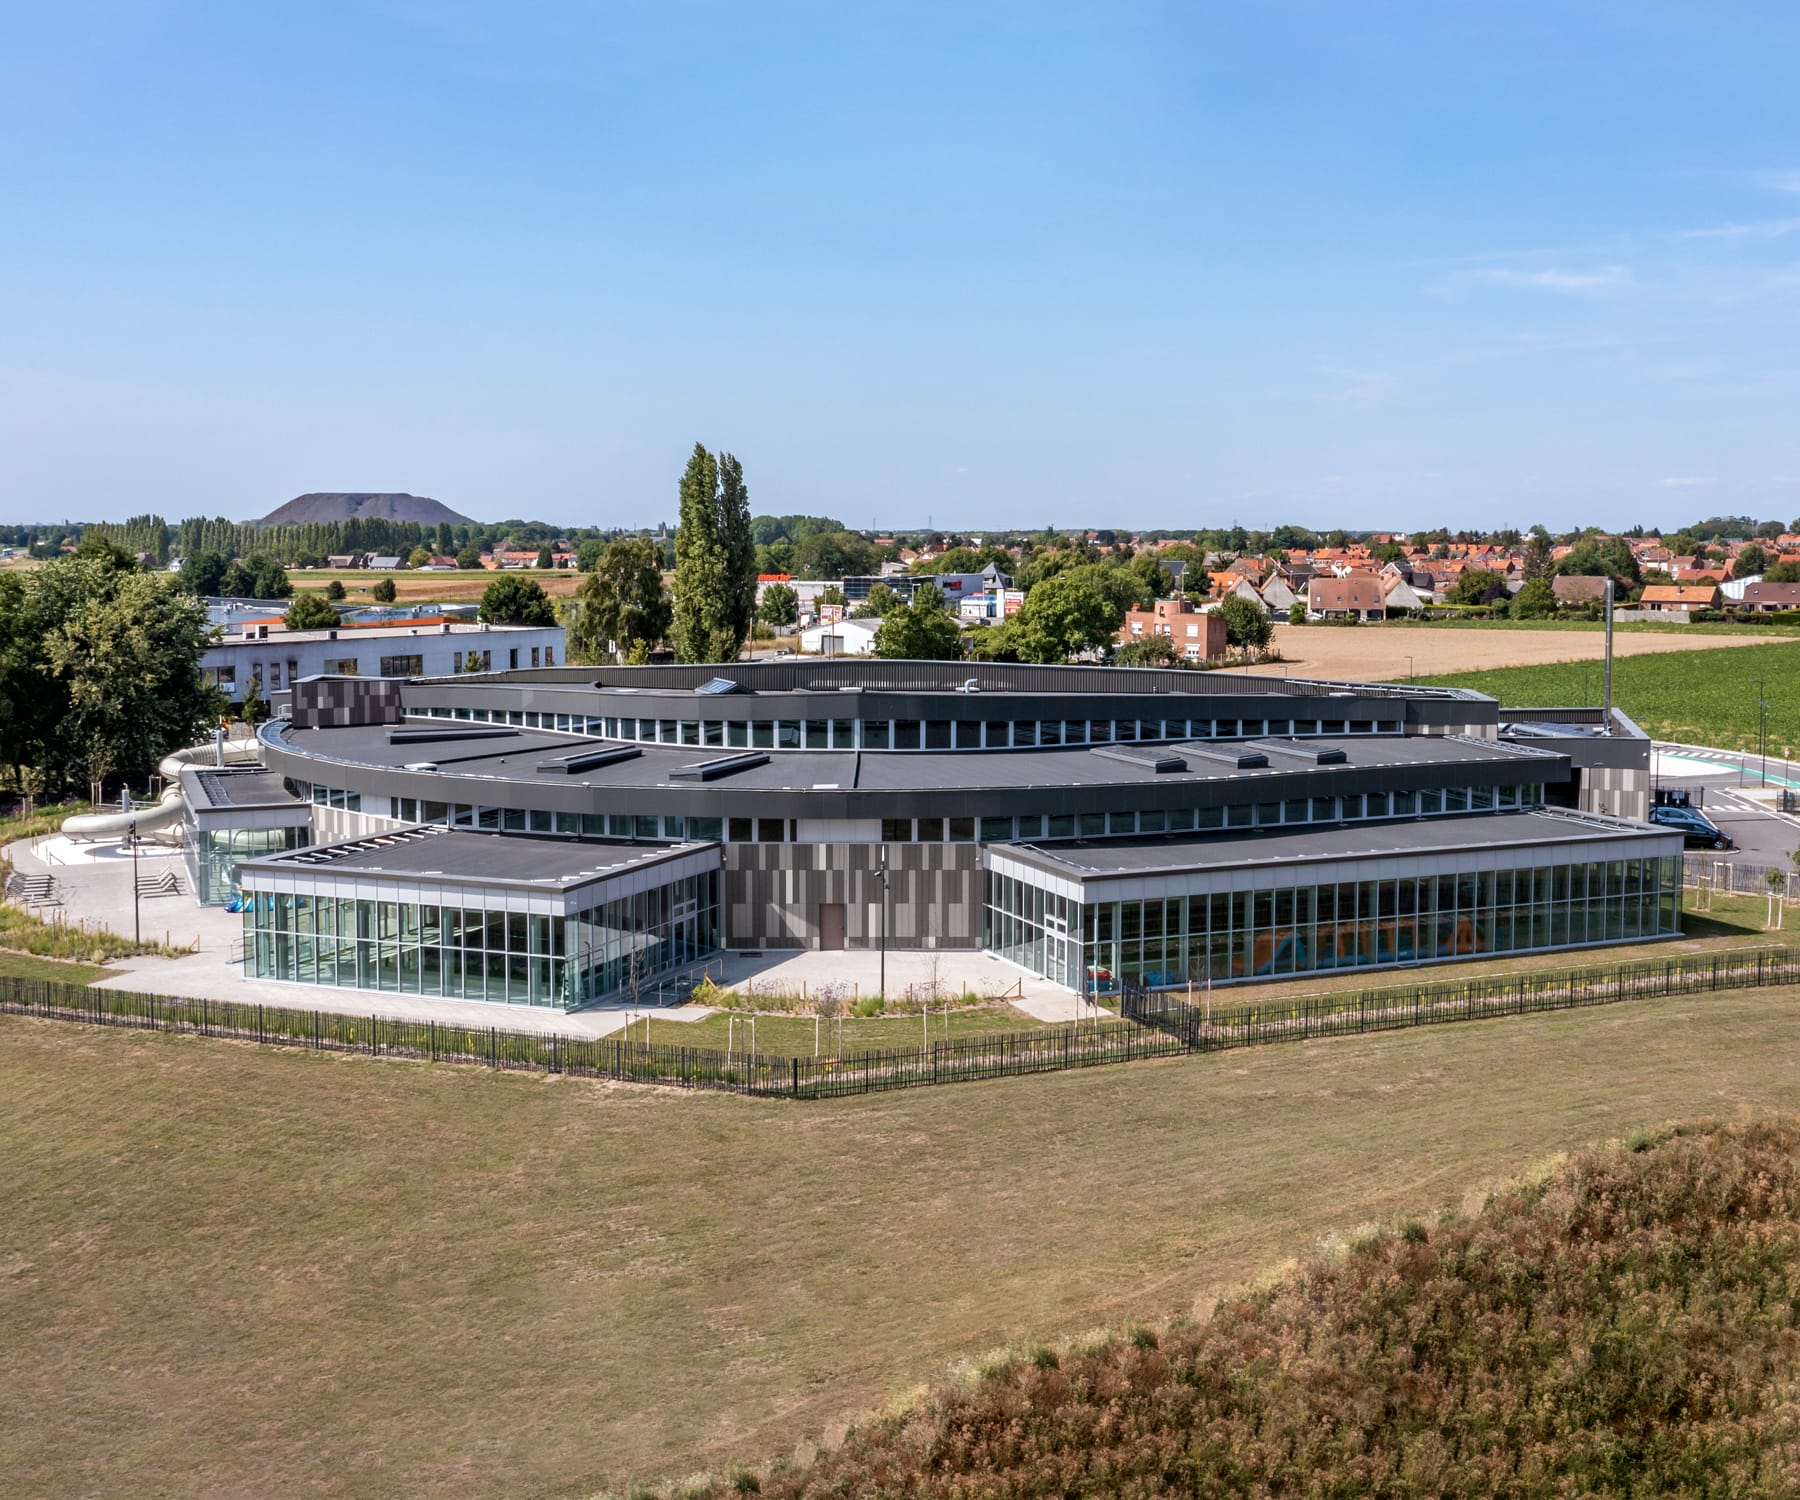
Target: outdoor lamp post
x,y
137,925
881,874
1762,728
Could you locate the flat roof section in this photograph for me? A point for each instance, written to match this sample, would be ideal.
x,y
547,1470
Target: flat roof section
x,y
430,851
238,788
523,756
801,675
1124,859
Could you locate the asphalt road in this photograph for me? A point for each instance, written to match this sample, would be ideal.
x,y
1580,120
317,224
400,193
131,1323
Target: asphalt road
x,y
1721,778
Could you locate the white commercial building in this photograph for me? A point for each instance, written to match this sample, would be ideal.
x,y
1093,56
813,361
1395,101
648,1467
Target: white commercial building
x,y
840,638
278,658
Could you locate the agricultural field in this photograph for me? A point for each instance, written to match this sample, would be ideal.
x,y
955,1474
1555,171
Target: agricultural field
x,y
1393,652
1694,696
492,1284
412,587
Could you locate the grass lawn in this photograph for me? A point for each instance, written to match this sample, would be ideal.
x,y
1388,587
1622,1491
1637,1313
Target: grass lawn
x,y
792,1036
1698,697
240,1271
30,966
1752,626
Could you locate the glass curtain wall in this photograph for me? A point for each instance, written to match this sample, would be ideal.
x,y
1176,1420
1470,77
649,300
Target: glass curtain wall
x,y
476,953
1297,928
212,856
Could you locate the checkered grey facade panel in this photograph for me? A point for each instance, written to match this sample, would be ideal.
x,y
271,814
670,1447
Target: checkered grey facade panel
x,y
1623,791
341,702
773,893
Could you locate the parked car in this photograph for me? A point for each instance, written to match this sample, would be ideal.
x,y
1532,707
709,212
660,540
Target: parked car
x,y
1697,830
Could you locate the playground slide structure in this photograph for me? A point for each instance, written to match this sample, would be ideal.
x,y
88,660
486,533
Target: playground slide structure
x,y
160,819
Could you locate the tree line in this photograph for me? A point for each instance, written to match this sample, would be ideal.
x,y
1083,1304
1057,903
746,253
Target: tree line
x,y
99,669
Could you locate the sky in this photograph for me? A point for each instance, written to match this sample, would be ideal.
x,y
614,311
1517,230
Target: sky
x,y
1345,264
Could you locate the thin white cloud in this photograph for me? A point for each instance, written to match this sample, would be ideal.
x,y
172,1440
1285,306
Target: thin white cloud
x,y
1762,229
1357,386
1685,482
1784,181
1555,279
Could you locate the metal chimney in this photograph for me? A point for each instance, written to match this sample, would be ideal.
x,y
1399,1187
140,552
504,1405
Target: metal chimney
x,y
1606,726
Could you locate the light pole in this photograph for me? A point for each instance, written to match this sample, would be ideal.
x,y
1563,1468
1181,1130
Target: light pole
x,y
1762,730
137,926
881,874
1409,669
1744,757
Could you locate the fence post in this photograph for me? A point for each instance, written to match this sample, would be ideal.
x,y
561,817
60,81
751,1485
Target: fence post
x,y
796,1062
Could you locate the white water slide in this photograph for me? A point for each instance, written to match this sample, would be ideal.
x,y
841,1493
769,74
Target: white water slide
x,y
161,816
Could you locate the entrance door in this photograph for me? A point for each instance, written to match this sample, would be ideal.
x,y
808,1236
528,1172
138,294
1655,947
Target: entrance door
x,y
831,924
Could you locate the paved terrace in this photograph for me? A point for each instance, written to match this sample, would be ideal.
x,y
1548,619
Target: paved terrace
x,y
94,881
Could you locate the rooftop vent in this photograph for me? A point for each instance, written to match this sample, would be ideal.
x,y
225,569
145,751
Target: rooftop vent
x,y
1312,755
724,765
1160,761
1229,755
439,736
587,760
719,686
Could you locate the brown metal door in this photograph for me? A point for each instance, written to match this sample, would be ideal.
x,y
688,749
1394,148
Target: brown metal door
x,y
831,924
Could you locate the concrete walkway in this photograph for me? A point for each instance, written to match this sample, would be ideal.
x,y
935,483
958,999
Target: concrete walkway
x,y
212,976
94,881
849,974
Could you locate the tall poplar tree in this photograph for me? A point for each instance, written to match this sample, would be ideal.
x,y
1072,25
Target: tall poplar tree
x,y
739,543
715,561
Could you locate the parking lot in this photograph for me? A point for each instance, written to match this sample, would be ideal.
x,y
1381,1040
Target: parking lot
x,y
1731,790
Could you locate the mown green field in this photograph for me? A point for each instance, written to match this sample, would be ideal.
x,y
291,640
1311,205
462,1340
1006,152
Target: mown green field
x,y
1701,697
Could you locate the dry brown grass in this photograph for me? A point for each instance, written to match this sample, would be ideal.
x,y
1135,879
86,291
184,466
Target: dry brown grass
x,y
1381,653
460,587
232,1271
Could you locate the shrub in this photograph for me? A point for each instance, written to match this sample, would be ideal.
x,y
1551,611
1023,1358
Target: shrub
x,y
1619,1324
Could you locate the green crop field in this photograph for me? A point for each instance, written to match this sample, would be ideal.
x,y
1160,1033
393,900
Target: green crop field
x,y
231,1270
1700,697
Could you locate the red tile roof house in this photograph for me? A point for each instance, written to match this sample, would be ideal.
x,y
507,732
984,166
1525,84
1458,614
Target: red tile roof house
x,y
1196,636
1578,588
1679,599
1765,598
1354,596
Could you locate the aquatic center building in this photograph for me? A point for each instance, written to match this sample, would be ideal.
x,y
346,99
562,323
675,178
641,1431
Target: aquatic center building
x,y
556,837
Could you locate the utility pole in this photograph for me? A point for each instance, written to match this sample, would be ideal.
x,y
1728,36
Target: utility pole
x,y
137,925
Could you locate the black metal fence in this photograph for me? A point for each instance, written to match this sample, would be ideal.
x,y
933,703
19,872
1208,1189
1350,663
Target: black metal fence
x,y
1149,1025
1204,1027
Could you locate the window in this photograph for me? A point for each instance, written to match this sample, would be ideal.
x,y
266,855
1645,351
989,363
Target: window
x,y
931,830
534,656
337,666
771,830
896,830
402,666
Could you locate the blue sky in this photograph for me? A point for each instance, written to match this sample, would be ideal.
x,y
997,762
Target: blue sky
x,y
1347,264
